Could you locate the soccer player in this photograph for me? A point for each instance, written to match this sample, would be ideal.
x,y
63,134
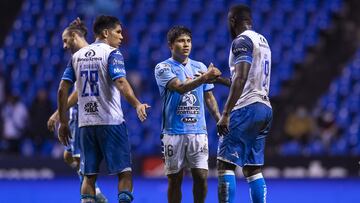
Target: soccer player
x,y
100,76
183,89
74,38
247,114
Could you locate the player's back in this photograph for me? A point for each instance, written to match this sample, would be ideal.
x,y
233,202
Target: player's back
x,y
98,98
253,48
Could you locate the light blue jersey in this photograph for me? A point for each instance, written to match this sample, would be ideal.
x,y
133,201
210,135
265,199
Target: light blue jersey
x,y
181,114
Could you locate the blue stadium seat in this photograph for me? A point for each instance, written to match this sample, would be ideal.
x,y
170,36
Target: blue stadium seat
x,y
291,26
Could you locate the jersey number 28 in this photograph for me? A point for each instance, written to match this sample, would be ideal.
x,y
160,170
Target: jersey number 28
x,y
91,79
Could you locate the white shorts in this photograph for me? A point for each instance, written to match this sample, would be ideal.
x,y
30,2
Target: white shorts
x,y
185,151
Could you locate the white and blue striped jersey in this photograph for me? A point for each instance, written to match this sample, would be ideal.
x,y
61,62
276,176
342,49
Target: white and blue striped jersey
x,y
94,68
181,113
252,48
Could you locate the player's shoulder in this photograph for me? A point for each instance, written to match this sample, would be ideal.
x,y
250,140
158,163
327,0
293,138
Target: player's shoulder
x,y
80,51
163,64
105,48
254,36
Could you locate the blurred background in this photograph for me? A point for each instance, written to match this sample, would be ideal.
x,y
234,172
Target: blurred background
x,y
314,90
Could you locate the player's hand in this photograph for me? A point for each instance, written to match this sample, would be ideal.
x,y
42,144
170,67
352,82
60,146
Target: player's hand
x,y
54,118
199,73
223,125
141,111
212,73
64,134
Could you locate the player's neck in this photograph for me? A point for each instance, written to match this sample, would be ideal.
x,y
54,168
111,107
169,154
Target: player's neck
x,y
242,29
83,43
99,40
182,60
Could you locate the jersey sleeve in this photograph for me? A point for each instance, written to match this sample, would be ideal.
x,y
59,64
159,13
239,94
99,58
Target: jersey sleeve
x,y
242,49
164,74
206,86
69,73
116,65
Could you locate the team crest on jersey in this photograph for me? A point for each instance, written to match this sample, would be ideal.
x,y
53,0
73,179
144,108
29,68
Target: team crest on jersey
x,y
91,107
163,67
189,104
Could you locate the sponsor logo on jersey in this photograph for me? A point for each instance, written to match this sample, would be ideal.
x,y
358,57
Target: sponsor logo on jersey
x,y
118,70
189,120
189,104
235,154
91,107
163,70
90,53
89,56
240,49
204,149
118,62
89,59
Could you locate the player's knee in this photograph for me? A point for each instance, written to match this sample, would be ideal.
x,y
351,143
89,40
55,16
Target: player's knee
x,y
125,197
90,179
221,165
200,175
175,180
251,170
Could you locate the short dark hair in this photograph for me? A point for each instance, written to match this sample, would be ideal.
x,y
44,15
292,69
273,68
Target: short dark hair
x,y
103,22
78,27
241,12
176,32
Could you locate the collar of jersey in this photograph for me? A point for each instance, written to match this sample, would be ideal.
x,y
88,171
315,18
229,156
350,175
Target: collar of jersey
x,y
186,70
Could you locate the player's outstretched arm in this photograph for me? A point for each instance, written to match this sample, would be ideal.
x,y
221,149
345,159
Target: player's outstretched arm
x,y
64,132
223,81
54,118
183,87
125,89
212,105
236,89
72,100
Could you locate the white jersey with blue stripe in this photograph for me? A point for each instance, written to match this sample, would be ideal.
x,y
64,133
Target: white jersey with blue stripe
x,y
181,113
252,48
94,68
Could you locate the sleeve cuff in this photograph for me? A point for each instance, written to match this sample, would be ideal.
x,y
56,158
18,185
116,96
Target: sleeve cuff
x,y
68,79
116,77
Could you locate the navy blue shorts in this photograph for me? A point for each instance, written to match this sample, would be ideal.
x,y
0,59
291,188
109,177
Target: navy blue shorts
x,y
245,143
74,146
109,142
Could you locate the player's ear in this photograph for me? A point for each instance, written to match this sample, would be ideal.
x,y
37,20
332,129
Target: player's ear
x,y
170,45
73,35
105,33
